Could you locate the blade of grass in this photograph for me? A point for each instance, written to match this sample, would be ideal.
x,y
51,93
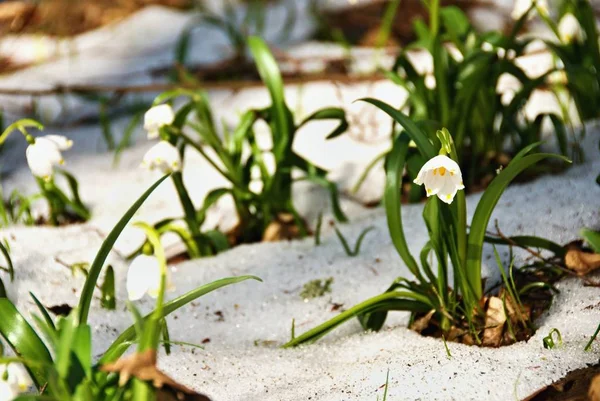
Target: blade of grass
x,y
484,210
94,272
120,345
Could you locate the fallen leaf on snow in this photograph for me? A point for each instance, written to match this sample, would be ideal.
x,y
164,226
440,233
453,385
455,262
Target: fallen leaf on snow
x,y
143,367
580,261
495,318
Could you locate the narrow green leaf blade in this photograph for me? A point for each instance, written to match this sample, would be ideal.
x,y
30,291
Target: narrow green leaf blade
x,y
90,283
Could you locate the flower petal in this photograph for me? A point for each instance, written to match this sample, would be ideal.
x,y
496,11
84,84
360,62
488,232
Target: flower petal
x,y
163,156
61,142
433,183
157,117
140,278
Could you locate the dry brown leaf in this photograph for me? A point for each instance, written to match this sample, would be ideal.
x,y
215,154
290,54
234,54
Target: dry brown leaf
x,y
495,318
580,261
594,391
514,314
283,228
422,323
143,366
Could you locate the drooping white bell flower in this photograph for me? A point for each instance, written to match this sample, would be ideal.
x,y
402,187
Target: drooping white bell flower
x,y
143,277
17,381
157,117
442,177
45,153
163,156
521,7
569,29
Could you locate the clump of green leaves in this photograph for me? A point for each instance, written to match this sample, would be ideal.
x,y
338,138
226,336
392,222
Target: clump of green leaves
x,y
239,159
316,288
58,355
460,93
454,247
579,55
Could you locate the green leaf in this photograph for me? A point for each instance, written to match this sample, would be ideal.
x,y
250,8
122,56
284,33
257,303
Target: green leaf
x,y
108,300
77,204
528,241
591,237
561,133
484,210
23,340
356,250
127,135
455,21
330,113
5,252
106,126
47,318
218,240
396,161
396,300
120,345
270,75
94,272
412,130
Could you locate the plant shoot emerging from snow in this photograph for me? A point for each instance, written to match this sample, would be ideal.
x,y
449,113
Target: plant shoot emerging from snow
x,y
44,156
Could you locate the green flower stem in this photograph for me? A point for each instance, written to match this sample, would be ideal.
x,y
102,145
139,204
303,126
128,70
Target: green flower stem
x,y
55,206
188,208
196,146
21,125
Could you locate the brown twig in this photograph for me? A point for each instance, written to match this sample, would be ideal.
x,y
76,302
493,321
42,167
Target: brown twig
x,y
587,282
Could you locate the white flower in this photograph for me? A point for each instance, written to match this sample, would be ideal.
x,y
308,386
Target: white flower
x,y
163,156
557,78
44,154
157,117
143,277
18,381
521,7
442,177
569,29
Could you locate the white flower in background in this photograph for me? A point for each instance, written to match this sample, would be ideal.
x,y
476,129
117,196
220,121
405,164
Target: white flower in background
x,y
17,381
569,29
143,277
430,82
157,117
557,78
44,154
442,177
521,7
163,156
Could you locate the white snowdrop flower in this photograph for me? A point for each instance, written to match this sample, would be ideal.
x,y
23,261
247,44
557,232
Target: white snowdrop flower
x,y
143,277
430,82
17,381
507,97
442,177
162,156
157,117
45,153
569,29
521,7
557,78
